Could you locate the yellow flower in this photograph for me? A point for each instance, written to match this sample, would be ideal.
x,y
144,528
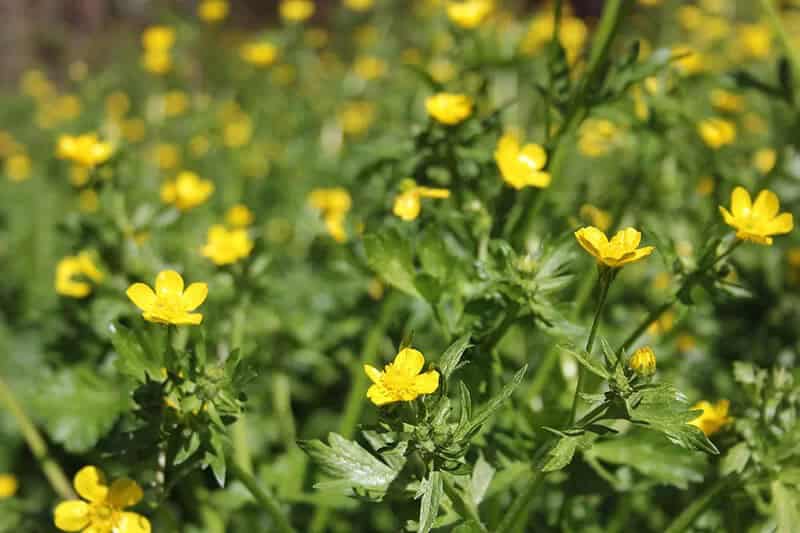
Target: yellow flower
x,y
572,34
690,60
296,10
442,70
449,108
356,117
72,273
104,508
764,160
619,251
401,380
8,486
714,417
117,104
169,304
166,156
598,217
755,40
86,149
238,131
408,204
186,191
370,67
727,101
18,167
359,5
213,10
756,221
716,132
225,246
157,61
521,166
334,204
597,137
469,14
260,53
663,324
239,216
175,103
643,361
133,129
159,38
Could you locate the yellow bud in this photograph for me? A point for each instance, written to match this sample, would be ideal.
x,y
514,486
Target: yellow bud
x,y
643,361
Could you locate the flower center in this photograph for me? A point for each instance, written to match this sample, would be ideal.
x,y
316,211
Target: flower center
x,y
398,383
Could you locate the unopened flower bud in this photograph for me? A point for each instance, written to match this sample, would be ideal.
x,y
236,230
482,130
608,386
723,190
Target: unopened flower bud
x,y
643,361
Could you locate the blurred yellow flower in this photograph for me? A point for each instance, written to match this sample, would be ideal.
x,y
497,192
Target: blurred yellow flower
x,y
662,324
117,104
333,203
643,361
238,131
356,117
521,166
104,507
296,10
764,160
758,221
166,156
408,203
705,186
18,167
88,201
619,251
133,129
79,176
213,11
73,274
158,38
469,14
199,145
685,343
239,216
449,108
572,33
401,380
87,149
690,61
169,304
755,40
442,69
713,418
186,191
599,218
370,67
716,132
175,103
66,107
8,145
157,61
727,101
8,486
225,246
690,17
359,5
597,136
259,53
316,37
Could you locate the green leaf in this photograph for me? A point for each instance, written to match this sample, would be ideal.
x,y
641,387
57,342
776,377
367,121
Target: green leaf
x,y
483,414
451,357
482,474
562,453
735,459
389,254
135,360
591,364
787,507
431,490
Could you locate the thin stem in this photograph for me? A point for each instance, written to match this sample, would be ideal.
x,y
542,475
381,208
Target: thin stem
x,y
241,447
264,497
699,505
55,475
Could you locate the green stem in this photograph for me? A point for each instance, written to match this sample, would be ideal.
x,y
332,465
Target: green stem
x,y
774,19
682,522
241,447
55,475
517,515
264,497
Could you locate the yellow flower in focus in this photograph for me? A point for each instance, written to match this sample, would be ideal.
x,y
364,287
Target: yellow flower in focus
x,y
157,61
186,191
521,166
260,54
73,274
764,160
212,11
104,507
408,204
225,246
755,40
756,221
86,149
359,5
355,118
619,251
643,361
296,10
469,14
18,167
716,132
727,101
714,417
169,304
597,217
8,486
370,67
158,38
239,216
333,203
401,381
449,108
597,136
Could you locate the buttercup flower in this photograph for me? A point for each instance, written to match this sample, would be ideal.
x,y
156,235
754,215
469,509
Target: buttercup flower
x,y
158,38
8,486
369,67
239,216
619,251
469,14
449,108
401,381
521,166
643,361
157,61
73,274
18,167
226,246
186,191
764,160
717,132
596,216
356,117
169,304
714,417
86,149
727,101
103,510
296,10
359,5
260,54
756,222
597,136
408,204
213,10
572,33
333,203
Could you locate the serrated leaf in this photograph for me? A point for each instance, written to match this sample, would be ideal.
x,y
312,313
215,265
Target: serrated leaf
x,y
735,459
587,361
452,356
137,359
431,489
562,453
389,254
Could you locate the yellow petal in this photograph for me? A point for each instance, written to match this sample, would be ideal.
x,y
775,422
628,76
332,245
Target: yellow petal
x,y
641,253
169,282
766,205
72,515
379,395
133,523
409,361
141,295
373,373
124,493
783,223
539,179
194,296
740,202
90,484
729,220
592,240
427,383
192,319
533,156
432,192
627,239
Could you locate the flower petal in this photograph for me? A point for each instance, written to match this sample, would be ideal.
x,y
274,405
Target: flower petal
x,y
783,223
373,373
409,361
729,219
427,383
766,205
141,295
379,395
133,523
90,484
740,202
592,240
627,239
194,296
539,179
533,156
192,319
169,282
124,493
71,515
